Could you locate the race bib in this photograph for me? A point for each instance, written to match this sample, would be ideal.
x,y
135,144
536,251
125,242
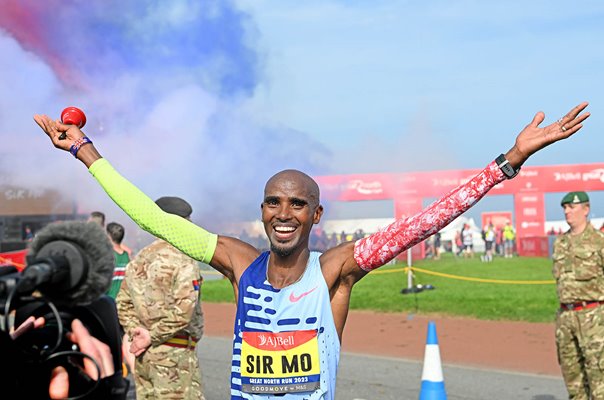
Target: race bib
x,y
282,362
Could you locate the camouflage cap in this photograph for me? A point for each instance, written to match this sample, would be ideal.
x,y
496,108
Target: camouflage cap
x,y
575,198
174,205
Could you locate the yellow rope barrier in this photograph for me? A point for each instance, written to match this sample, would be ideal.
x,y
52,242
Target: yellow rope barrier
x,y
466,278
395,270
389,271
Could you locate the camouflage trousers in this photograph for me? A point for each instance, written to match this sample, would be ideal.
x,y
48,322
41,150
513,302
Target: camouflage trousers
x,y
165,372
580,343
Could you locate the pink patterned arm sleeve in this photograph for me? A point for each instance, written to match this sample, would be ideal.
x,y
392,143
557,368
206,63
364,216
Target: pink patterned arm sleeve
x,y
377,249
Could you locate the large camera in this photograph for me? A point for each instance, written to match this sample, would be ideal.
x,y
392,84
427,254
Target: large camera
x,y
69,267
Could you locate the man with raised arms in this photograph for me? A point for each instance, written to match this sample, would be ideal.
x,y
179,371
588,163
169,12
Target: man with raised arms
x,y
292,303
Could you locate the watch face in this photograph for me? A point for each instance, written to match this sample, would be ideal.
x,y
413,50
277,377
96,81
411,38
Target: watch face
x,y
505,167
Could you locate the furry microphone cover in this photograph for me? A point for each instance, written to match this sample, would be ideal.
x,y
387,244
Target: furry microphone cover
x,y
98,253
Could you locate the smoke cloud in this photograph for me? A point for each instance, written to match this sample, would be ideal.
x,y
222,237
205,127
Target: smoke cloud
x,y
166,88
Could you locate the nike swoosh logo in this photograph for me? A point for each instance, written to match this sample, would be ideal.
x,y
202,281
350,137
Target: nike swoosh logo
x,y
293,298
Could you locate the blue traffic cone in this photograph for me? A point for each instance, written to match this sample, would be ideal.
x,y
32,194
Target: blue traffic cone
x,y
433,384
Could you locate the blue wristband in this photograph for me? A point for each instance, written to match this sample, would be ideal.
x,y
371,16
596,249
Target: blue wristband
x,y
75,147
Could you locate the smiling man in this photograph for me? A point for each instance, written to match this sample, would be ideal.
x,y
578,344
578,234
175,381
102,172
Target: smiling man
x,y
292,303
579,272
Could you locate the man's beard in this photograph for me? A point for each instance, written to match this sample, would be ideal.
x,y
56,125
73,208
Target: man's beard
x,y
280,251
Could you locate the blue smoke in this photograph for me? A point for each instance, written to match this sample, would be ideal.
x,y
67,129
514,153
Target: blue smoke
x,y
210,40
167,88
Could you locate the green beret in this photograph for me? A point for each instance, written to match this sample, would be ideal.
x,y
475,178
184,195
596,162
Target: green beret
x,y
174,205
575,198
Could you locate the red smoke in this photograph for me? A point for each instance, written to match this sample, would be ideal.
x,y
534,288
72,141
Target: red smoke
x,y
34,25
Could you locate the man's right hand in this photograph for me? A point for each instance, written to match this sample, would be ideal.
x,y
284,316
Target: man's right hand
x,y
89,345
54,129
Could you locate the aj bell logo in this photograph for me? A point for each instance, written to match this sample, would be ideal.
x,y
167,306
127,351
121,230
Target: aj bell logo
x,y
276,341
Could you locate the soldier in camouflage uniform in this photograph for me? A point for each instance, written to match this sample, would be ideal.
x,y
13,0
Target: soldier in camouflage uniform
x,y
159,307
579,272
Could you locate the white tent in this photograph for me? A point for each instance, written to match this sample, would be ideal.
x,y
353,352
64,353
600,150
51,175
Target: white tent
x,y
448,232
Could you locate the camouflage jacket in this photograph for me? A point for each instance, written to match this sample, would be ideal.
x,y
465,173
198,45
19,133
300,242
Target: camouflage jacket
x,y
161,292
579,266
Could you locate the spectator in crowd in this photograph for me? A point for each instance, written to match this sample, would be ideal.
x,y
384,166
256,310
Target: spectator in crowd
x,y
499,241
116,234
509,238
159,306
28,235
459,241
97,217
579,271
324,241
436,246
602,227
489,240
358,234
467,238
333,240
429,247
314,242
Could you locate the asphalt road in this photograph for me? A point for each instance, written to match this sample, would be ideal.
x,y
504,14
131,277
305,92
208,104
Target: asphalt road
x,y
363,377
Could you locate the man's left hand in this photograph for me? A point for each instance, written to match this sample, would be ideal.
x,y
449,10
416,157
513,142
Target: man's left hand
x,y
534,138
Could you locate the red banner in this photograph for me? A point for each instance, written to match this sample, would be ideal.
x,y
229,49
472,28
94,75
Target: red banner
x,y
356,187
530,214
528,189
14,258
555,178
533,246
497,218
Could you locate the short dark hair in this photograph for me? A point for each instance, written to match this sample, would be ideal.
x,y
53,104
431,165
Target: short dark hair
x,y
116,232
97,217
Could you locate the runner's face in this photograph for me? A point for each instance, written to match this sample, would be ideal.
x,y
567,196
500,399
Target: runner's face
x,y
289,210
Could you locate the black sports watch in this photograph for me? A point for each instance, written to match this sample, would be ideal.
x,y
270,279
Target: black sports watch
x,y
505,167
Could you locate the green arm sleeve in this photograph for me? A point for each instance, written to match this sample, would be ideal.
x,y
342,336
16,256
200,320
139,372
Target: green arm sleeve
x,y
189,238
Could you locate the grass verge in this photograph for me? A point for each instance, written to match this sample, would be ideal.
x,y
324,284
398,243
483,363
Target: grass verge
x,y
455,295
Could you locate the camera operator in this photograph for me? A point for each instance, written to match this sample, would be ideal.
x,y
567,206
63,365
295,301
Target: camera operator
x,y
59,380
67,344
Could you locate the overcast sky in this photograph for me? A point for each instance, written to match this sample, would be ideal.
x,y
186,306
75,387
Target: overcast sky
x,y
207,99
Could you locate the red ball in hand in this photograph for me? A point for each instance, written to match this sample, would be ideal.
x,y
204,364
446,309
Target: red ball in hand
x,y
73,116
